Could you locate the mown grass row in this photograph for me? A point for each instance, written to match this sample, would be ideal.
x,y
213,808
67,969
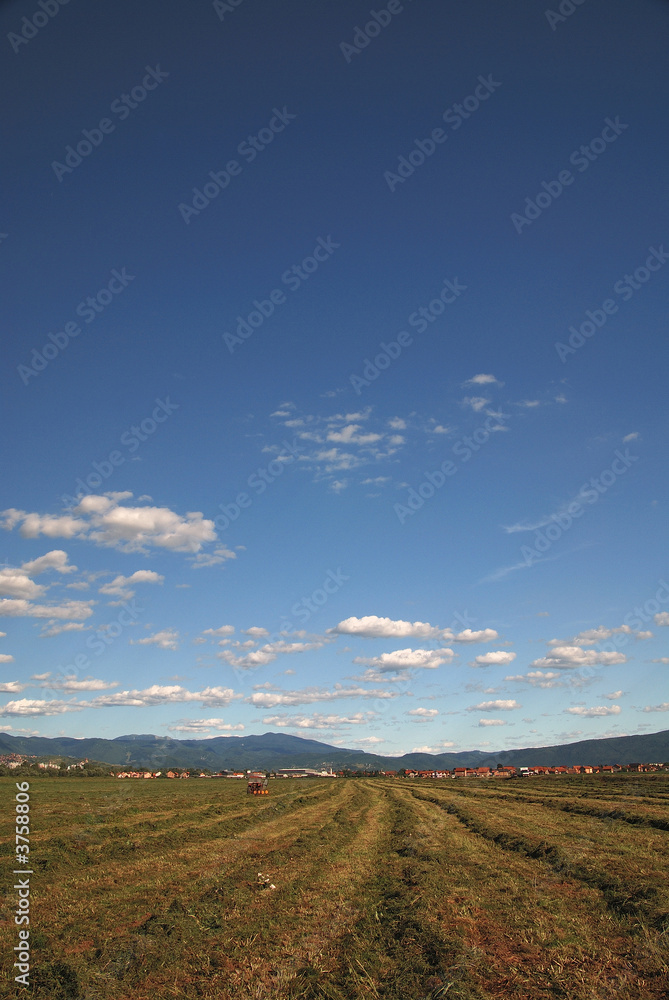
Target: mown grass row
x,y
639,810
630,869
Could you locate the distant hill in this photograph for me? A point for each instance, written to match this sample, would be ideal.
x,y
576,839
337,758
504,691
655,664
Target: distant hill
x,y
273,750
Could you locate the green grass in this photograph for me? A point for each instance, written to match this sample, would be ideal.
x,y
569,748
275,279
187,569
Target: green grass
x,y
393,889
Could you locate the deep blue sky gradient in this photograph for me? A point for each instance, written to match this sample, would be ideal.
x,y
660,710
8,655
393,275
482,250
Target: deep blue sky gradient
x,y
323,176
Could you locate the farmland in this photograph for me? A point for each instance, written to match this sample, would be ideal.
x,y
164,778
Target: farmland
x,y
394,889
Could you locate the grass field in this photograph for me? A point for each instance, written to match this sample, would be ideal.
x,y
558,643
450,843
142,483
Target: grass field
x,y
394,889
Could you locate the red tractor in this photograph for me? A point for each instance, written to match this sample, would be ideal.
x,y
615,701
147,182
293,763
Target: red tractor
x,y
257,785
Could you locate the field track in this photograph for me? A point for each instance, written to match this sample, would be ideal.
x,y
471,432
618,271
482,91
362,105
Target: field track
x,y
393,889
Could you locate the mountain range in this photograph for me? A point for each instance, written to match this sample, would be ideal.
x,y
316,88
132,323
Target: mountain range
x,y
274,750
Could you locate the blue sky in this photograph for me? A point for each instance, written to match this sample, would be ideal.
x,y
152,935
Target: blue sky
x,y
333,375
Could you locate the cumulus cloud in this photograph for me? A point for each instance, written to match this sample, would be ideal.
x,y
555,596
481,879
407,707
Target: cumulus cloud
x,y
196,726
492,659
12,687
36,706
476,402
482,380
222,630
613,695
107,521
213,697
483,635
19,608
349,435
663,707
662,618
373,627
423,713
121,586
594,712
165,695
406,659
72,684
52,628
572,657
15,583
267,653
600,634
6,658
316,721
500,705
307,696
55,560
219,555
491,722
538,678
256,631
168,638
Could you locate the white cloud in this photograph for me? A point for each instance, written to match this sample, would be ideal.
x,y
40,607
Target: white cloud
x,y
73,685
500,705
613,695
267,653
373,627
371,676
477,403
316,721
631,437
121,586
12,687
219,555
572,657
256,631
349,435
406,659
32,706
196,726
307,696
15,583
397,424
599,634
222,630
491,722
595,712
164,695
423,713
538,678
24,609
491,659
662,618
483,635
662,659
663,707
6,658
482,380
168,638
55,560
106,521
52,628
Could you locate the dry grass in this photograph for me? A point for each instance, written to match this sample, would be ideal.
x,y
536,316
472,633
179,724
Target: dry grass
x,y
384,889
